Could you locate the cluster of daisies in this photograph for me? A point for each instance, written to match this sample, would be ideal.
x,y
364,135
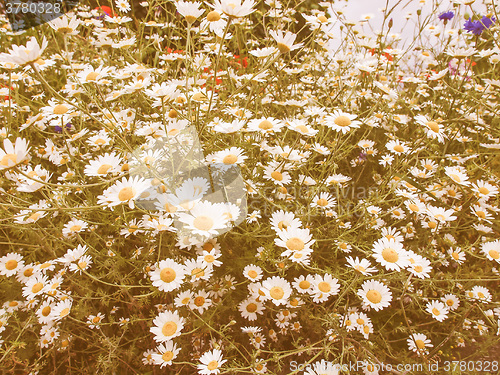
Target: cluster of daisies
x,y
168,181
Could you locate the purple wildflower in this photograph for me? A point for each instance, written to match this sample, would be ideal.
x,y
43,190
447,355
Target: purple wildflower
x,y
446,16
477,27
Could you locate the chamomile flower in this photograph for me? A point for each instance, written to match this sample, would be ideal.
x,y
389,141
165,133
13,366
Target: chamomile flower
x,y
124,191
249,309
491,250
253,272
363,266
74,226
11,264
165,353
323,200
167,325
204,219
277,289
285,41
200,301
168,275
324,287
451,301
295,239
36,285
438,310
235,8
103,165
432,128
13,153
390,254
458,175
23,55
189,10
342,122
375,294
418,343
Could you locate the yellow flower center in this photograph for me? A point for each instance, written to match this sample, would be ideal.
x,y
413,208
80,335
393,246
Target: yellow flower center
x,y
483,190
265,125
197,272
103,169
276,292
253,274
11,264
167,275
252,307
277,176
342,121
434,126
230,159
283,48
494,254
374,296
8,157
36,287
420,344
75,228
302,128
64,312
167,356
60,109
295,244
212,365
203,223
398,148
322,202
92,76
213,16
126,194
199,301
169,328
304,284
324,287
390,255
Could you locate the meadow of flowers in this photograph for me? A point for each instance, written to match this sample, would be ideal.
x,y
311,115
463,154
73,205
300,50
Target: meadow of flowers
x,y
249,187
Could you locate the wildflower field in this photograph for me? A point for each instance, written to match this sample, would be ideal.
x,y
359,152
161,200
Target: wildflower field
x,y
256,187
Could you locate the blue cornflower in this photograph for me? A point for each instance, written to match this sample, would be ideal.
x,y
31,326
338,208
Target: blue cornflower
x,y
477,27
58,129
487,22
446,16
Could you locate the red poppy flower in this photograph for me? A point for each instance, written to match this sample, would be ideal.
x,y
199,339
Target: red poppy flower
x,y
107,10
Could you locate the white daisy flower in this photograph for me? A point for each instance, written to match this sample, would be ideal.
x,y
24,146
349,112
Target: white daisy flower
x,y
437,309
13,154
342,122
285,40
375,294
253,272
418,343
124,191
165,353
168,275
211,362
167,325
277,289
11,264
390,254
250,307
